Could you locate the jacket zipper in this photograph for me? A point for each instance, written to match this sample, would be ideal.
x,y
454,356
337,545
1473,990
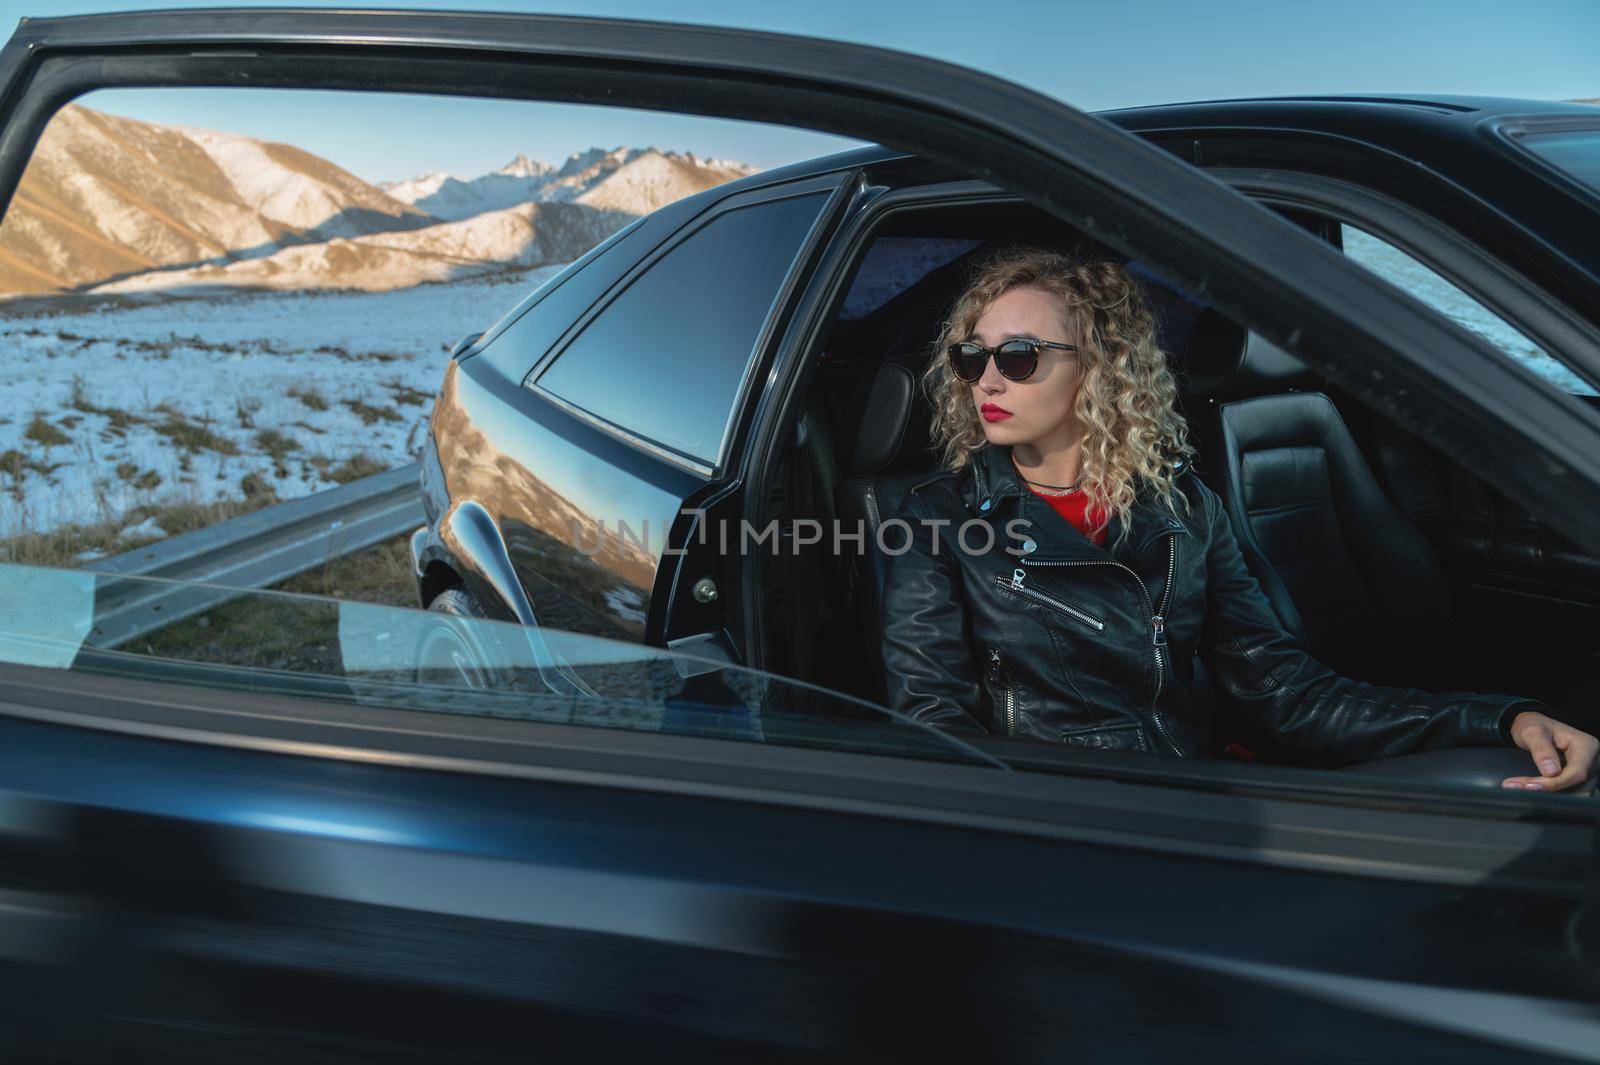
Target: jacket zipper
x,y
1009,701
1158,621
1015,585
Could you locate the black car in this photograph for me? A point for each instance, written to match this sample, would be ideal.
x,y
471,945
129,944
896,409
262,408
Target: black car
x,y
620,397
613,837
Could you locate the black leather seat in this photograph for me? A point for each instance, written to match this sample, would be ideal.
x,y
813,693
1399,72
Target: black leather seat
x,y
1346,572
891,452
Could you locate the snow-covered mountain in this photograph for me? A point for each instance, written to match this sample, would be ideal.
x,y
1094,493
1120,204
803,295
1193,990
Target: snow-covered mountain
x,y
525,214
113,204
636,180
105,196
528,235
302,190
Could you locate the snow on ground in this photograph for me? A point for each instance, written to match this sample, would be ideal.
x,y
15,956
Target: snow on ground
x,y
484,244
183,401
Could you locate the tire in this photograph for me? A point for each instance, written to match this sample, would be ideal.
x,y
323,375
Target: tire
x,y
458,652
457,602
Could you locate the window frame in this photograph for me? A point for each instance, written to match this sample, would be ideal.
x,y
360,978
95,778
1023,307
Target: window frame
x,y
1506,133
835,187
1317,820
1517,301
793,372
508,320
1337,232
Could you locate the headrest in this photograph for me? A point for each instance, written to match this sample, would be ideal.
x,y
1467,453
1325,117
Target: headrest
x,y
1267,368
1224,360
894,427
1214,352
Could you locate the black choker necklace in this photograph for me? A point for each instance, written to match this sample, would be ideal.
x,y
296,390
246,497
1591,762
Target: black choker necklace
x,y
1073,487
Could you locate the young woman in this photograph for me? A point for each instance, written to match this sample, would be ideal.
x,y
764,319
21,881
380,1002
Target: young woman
x,y
1067,564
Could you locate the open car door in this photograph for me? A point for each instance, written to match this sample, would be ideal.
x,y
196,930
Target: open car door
x,y
467,888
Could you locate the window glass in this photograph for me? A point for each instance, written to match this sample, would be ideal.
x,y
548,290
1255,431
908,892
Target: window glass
x,y
559,302
218,301
666,357
1575,152
1397,267
894,264
307,646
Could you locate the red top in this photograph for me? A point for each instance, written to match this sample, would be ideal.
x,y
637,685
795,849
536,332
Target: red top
x,y
1074,506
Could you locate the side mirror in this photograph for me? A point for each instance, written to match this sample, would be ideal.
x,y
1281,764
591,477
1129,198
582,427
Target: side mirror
x,y
463,344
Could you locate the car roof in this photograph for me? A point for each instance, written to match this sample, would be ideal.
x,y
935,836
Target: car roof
x,y
1400,121
1467,142
1415,107
1385,119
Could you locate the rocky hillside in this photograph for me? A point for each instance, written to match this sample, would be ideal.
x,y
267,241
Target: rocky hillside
x,y
117,205
105,196
528,235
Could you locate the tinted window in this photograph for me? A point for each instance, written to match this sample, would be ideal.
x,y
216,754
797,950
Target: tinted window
x,y
894,264
1400,269
666,357
1575,151
560,301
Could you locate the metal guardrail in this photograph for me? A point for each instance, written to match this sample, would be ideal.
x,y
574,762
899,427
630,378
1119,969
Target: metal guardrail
x,y
212,565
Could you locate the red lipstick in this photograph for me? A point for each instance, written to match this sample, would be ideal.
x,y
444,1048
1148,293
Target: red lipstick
x,y
993,413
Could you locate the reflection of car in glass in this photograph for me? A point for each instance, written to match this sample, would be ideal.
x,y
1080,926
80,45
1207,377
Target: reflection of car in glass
x,y
641,846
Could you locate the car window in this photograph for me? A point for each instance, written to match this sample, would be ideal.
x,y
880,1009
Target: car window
x,y
665,359
1575,152
1399,268
894,264
388,657
546,314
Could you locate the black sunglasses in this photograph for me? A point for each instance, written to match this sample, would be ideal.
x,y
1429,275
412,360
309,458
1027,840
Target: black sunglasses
x,y
1016,359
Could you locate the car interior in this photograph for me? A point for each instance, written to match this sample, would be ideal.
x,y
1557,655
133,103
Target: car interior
x,y
1389,560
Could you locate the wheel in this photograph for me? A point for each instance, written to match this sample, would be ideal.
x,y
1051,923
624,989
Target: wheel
x,y
463,649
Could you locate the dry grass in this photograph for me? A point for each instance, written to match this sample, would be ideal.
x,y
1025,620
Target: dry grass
x,y
371,415
356,467
120,420
43,433
276,445
408,396
13,463
256,487
379,574
192,437
277,632
144,481
61,547
309,397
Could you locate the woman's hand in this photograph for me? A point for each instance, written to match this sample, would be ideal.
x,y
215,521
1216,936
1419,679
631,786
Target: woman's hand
x,y
1550,742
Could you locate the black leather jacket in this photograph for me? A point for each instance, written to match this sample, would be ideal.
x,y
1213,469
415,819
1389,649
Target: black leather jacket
x,y
1041,634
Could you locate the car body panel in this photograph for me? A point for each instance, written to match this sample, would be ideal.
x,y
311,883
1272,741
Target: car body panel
x,y
586,513
1112,915
1448,157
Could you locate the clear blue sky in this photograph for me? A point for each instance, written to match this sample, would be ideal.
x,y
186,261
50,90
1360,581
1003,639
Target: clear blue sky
x,y
1113,53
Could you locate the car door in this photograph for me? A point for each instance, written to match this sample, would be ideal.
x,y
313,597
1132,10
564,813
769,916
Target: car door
x,y
606,449
204,866
1522,590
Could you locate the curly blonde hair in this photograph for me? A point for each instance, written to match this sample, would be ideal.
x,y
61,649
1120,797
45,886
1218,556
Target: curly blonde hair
x,y
1126,399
